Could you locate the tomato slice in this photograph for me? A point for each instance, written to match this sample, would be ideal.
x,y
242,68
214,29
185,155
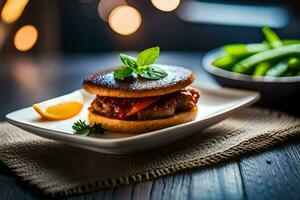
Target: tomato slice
x,y
138,106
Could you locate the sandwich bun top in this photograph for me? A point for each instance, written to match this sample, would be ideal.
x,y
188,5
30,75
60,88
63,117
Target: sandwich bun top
x,y
103,83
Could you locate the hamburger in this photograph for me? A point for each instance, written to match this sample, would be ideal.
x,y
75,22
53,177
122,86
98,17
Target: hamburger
x,y
137,104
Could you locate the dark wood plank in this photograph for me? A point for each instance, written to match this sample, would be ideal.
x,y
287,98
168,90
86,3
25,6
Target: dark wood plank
x,y
179,188
142,190
274,174
123,192
171,187
12,188
222,182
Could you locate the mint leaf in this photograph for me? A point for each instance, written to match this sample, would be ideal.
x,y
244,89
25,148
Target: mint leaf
x,y
141,66
147,57
153,72
128,61
122,73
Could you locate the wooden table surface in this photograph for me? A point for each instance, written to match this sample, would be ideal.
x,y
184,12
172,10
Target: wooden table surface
x,y
273,174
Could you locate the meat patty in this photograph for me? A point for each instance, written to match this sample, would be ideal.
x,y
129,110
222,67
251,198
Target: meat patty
x,y
158,110
166,106
187,99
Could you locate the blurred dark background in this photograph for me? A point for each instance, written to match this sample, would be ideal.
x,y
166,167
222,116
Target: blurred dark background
x,y
75,26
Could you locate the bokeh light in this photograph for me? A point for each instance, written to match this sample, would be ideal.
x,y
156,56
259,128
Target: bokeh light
x,y
125,20
26,38
12,10
106,6
166,5
26,74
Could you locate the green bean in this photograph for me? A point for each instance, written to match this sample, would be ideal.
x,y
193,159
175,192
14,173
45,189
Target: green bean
x,y
289,42
248,63
272,37
288,73
262,68
252,48
226,62
245,49
279,69
293,66
294,63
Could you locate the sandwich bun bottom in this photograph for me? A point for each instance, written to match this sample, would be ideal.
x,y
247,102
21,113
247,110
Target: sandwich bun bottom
x,y
122,126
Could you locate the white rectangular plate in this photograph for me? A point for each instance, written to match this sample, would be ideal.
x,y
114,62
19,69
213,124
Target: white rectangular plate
x,y
215,105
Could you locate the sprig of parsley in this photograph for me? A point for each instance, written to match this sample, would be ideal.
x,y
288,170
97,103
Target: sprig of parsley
x,y
141,66
82,128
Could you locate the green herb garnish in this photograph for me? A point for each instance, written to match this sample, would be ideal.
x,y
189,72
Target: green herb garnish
x,y
141,66
152,72
82,128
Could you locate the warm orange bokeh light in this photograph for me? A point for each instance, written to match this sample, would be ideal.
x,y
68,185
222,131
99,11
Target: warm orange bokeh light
x,y
12,10
25,38
166,5
125,20
106,6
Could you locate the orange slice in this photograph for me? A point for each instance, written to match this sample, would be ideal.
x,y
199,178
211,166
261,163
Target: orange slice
x,y
60,108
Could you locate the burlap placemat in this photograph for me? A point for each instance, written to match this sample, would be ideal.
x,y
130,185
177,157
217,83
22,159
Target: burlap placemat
x,y
58,169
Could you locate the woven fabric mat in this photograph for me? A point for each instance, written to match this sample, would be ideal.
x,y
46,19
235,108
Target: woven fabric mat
x,y
58,169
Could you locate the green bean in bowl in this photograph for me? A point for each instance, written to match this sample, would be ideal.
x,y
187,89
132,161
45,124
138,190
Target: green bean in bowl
x,y
271,67
273,57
